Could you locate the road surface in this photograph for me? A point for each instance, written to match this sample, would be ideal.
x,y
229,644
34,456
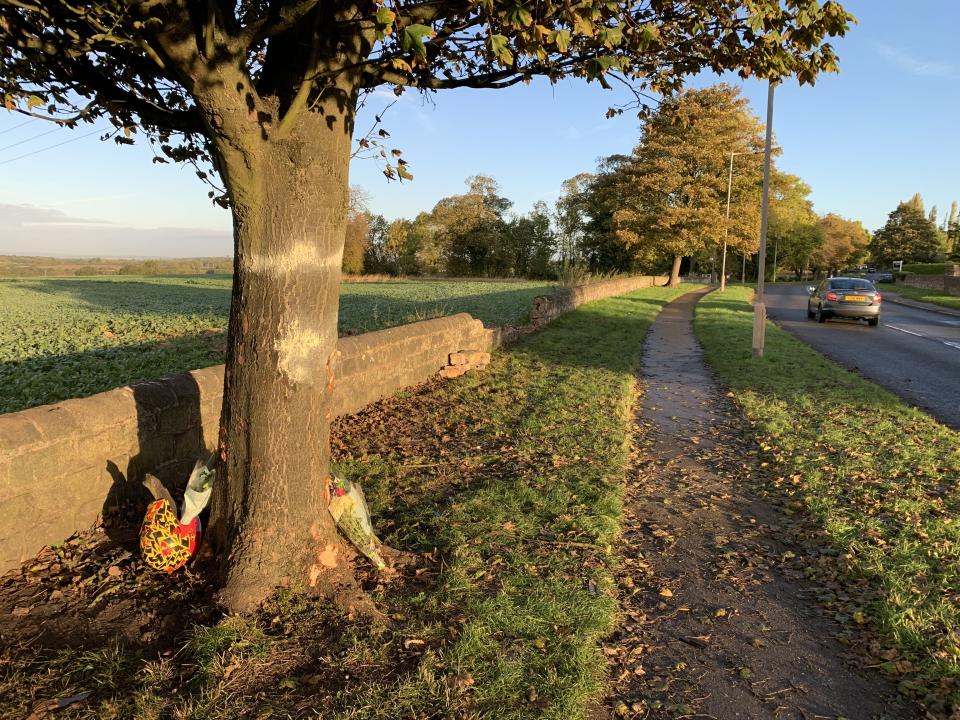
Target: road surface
x,y
914,354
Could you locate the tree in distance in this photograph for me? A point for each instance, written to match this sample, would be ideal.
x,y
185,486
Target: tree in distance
x,y
794,231
675,182
356,237
584,217
571,215
470,227
908,235
845,243
266,93
953,230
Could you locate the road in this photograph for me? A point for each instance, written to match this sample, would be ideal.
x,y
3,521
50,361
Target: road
x,y
914,354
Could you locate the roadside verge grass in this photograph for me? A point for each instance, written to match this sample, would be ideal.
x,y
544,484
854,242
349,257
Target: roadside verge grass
x,y
930,296
882,481
507,484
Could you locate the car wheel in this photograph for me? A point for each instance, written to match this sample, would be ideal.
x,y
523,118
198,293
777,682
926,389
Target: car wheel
x,y
821,318
873,322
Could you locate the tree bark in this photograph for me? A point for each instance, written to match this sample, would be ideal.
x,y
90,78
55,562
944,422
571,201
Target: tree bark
x,y
675,271
269,519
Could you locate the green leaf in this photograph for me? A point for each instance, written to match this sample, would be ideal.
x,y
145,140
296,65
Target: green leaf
x,y
403,172
648,35
561,38
519,17
34,101
611,36
583,26
384,22
412,38
597,66
497,44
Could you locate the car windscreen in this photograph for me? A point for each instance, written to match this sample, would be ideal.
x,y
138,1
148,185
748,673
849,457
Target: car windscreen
x,y
850,284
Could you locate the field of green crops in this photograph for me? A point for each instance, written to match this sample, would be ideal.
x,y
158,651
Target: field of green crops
x,y
63,338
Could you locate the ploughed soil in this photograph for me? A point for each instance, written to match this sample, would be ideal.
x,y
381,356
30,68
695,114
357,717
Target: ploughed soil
x,y
720,590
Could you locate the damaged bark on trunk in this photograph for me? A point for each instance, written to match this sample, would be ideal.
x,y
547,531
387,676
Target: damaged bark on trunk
x,y
269,519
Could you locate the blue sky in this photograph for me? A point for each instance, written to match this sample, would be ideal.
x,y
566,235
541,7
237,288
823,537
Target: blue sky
x,y
884,128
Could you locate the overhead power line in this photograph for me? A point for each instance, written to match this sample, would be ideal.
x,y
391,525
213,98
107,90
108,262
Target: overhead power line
x,y
17,127
29,139
50,147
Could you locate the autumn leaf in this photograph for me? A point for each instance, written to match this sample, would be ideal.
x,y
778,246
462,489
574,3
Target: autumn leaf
x,y
412,38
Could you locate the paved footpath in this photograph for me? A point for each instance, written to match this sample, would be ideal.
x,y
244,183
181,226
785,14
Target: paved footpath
x,y
715,623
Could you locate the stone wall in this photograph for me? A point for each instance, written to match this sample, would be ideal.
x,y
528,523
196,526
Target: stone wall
x,y
927,282
64,465
563,300
947,284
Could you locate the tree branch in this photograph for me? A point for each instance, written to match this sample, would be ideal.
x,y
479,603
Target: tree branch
x,y
273,24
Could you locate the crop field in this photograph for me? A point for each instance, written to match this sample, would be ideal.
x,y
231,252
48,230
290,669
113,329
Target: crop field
x,y
63,338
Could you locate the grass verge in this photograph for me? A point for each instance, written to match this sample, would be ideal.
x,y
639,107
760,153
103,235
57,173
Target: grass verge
x,y
876,476
930,296
927,268
508,485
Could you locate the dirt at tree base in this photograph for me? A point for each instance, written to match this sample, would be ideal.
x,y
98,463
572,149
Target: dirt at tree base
x,y
717,622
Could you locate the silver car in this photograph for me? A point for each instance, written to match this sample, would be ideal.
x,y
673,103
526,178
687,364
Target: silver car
x,y
845,297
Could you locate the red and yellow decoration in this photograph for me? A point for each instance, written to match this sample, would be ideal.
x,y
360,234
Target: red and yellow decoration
x,y
167,544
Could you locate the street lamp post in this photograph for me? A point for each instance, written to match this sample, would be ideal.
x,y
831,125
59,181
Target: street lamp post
x,y
726,228
759,305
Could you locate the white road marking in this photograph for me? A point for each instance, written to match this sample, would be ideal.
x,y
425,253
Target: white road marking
x,y
954,345
903,330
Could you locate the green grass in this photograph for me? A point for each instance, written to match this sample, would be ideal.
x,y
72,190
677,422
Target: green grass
x,y
930,296
879,478
63,338
527,541
927,268
511,479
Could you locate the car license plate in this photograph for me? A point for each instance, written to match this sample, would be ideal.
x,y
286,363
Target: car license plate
x,y
855,298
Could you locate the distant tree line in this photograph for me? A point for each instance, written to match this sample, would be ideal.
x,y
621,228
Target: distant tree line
x,y
31,266
473,234
691,185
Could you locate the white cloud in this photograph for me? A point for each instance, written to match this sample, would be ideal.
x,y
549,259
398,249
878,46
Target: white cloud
x,y
32,230
917,66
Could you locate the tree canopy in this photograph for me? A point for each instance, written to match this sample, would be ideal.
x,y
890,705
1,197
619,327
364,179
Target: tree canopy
x,y
794,230
470,234
845,242
676,180
908,235
173,66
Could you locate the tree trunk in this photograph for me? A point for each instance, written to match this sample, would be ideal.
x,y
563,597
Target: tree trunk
x,y
675,271
269,519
